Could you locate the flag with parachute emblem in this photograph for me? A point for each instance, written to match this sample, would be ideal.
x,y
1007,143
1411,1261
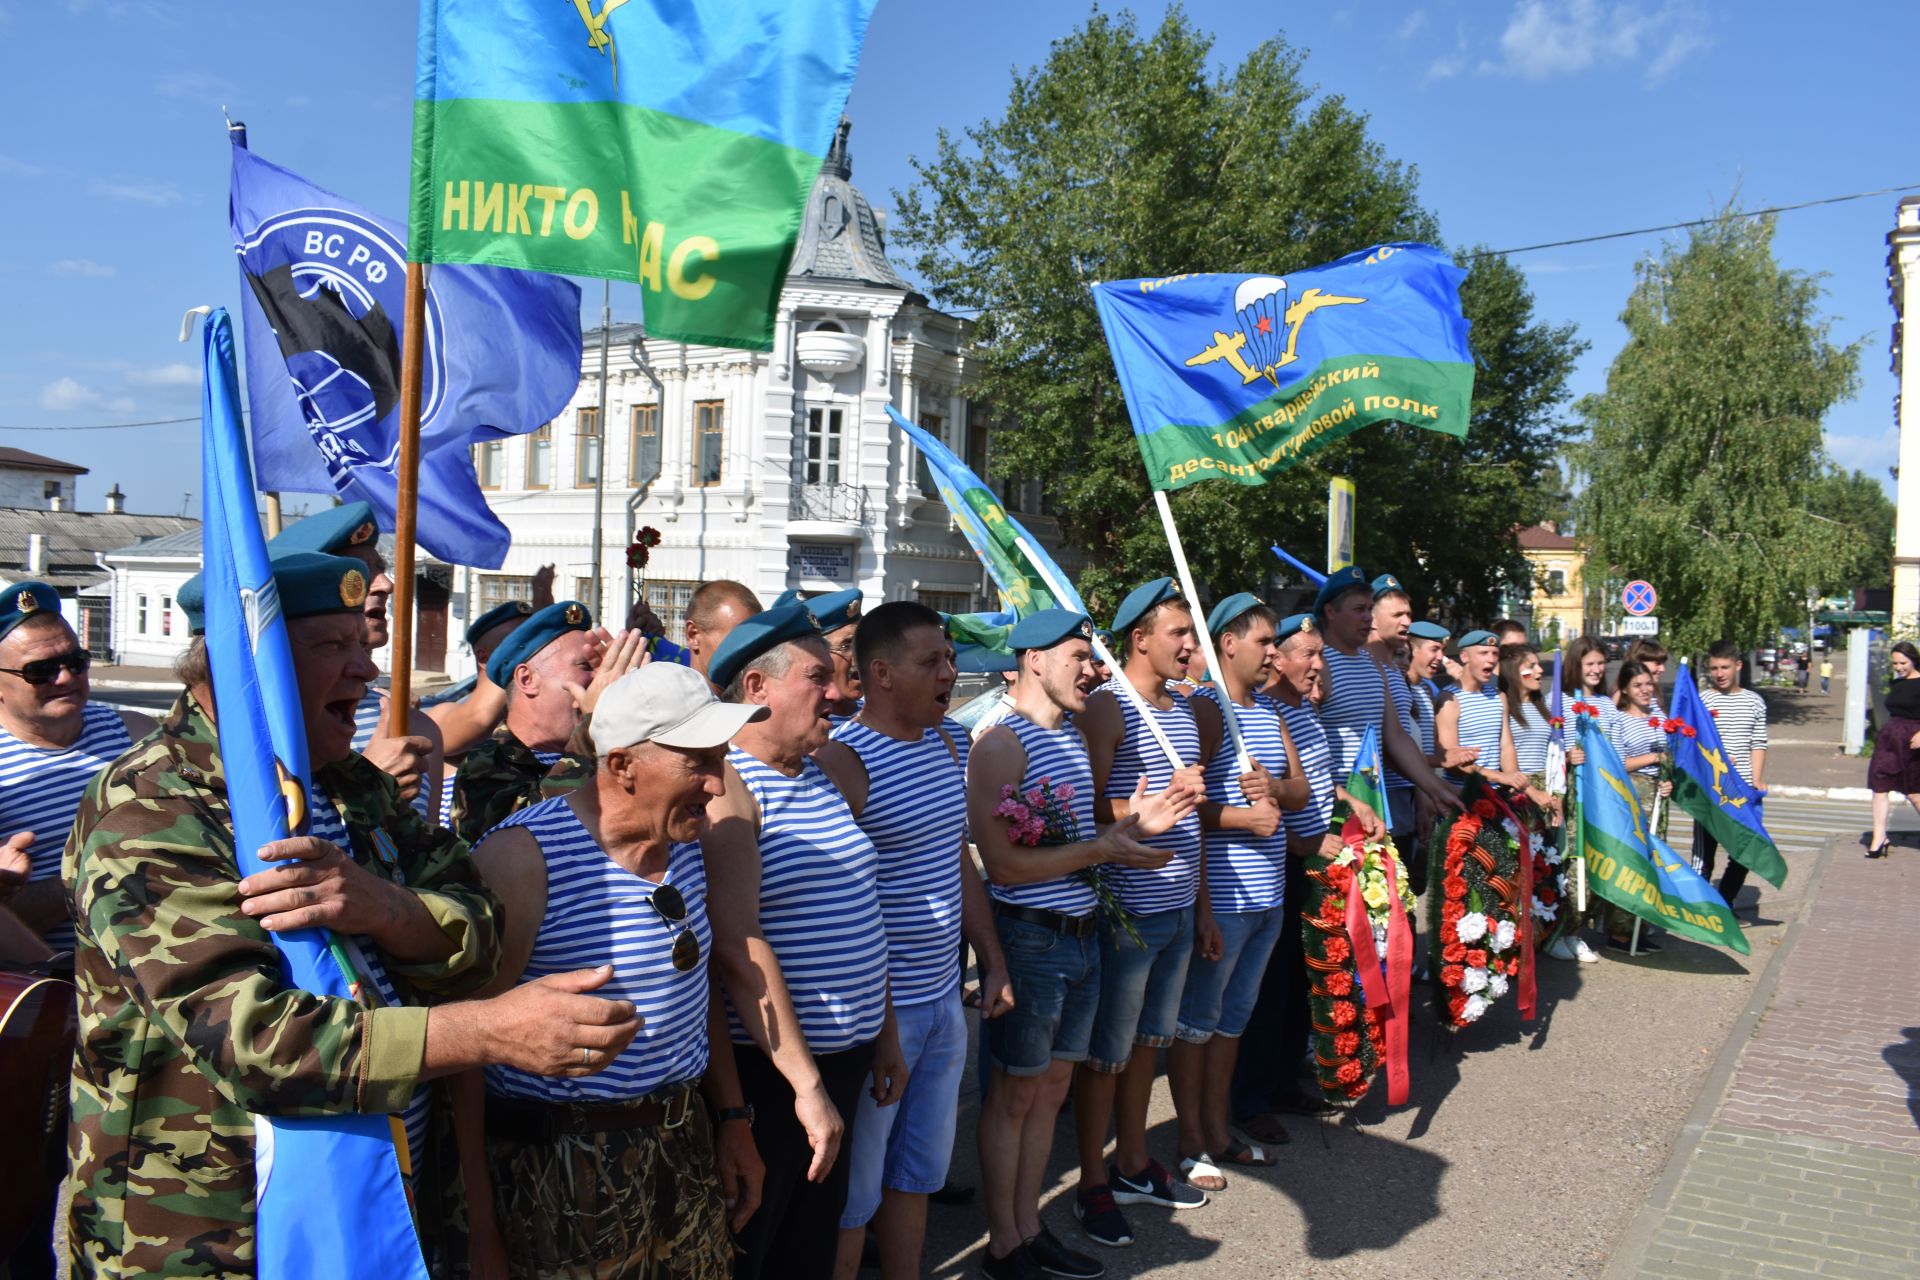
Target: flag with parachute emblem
x,y
328,1191
1232,376
1706,785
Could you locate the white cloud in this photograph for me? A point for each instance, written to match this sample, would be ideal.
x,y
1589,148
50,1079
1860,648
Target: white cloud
x,y
84,268
1415,23
20,168
1546,38
166,375
196,86
1872,453
1446,67
153,193
65,394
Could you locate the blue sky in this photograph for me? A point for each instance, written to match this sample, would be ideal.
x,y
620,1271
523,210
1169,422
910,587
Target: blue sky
x,y
1533,121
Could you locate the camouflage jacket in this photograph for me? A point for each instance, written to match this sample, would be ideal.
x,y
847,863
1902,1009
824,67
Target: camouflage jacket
x,y
502,776
186,1027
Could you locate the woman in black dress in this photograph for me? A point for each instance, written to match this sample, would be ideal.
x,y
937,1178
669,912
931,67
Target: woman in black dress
x,y
1896,751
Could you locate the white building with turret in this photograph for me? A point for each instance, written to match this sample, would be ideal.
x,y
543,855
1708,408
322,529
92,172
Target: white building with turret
x,y
1903,282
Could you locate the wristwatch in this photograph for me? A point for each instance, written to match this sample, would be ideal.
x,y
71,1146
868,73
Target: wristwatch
x,y
736,1113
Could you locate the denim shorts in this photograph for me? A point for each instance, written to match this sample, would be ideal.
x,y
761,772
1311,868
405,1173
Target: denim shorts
x,y
1140,987
1399,816
1056,990
907,1146
1221,993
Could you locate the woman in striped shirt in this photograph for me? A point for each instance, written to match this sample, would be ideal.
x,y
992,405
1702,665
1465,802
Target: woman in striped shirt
x,y
1528,722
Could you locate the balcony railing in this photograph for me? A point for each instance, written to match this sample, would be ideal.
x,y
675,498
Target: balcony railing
x,y
838,503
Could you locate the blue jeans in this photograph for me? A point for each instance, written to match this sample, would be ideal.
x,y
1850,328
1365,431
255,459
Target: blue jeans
x,y
1056,991
1221,993
907,1146
1140,987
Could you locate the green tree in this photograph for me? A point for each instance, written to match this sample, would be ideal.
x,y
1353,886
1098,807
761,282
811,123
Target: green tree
x,y
1857,511
1703,451
1124,156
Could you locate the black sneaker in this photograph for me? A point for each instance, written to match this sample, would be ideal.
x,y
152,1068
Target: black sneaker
x,y
1018,1265
1101,1218
1153,1185
1057,1260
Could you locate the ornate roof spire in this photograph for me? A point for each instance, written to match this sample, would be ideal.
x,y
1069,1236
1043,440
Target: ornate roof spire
x,y
840,236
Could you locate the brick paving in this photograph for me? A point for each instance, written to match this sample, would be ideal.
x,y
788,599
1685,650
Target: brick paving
x,y
1810,1163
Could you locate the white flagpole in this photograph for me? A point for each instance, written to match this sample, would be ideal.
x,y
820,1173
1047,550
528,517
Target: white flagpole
x,y
1059,593
1200,629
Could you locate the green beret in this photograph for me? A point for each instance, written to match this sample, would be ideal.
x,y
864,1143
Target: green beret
x,y
311,585
535,634
1338,584
1232,607
330,532
1424,630
1294,624
1141,599
24,599
1473,638
511,610
757,635
1048,628
1387,582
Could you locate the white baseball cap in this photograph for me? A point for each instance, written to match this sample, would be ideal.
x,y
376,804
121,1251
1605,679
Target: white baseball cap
x,y
672,705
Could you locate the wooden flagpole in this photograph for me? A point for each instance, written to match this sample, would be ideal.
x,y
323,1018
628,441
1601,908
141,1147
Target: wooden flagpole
x,y
407,496
1200,629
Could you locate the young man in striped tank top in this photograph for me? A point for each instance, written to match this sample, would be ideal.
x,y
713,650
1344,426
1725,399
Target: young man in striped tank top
x,y
1045,914
901,773
622,1171
799,942
1246,856
52,742
1140,986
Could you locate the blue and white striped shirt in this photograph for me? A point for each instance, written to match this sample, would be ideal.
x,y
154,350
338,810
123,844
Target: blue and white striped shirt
x,y
325,823
366,718
1402,694
916,817
1058,757
1354,702
599,912
1635,736
1245,872
40,790
1174,886
1423,726
819,905
1316,761
1531,734
1481,715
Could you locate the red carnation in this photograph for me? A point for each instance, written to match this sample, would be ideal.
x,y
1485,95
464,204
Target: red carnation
x,y
1687,731
1451,975
1339,950
1454,953
1546,894
1455,886
1476,959
1346,1043
1457,1007
1340,877
1344,1014
1339,984
1348,1073
1486,809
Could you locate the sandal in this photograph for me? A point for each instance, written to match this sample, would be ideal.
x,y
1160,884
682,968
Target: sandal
x,y
1248,1155
1264,1129
1195,1168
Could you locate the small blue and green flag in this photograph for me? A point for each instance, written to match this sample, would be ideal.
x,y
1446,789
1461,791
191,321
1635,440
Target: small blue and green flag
x,y
1633,868
669,143
1236,376
1706,785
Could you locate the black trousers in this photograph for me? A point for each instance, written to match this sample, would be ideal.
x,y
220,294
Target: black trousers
x,y
796,1231
1705,850
1276,1035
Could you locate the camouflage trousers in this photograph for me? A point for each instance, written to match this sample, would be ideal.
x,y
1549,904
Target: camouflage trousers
x,y
626,1204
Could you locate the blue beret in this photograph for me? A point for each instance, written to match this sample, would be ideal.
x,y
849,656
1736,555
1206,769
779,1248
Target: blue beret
x,y
786,599
1047,628
1387,582
535,634
330,532
835,609
1224,612
192,599
311,585
1292,625
757,635
1473,638
511,610
1424,630
1338,583
978,659
24,599
1141,599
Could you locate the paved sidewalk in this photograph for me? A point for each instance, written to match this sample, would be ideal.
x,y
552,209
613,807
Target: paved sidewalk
x,y
1803,1156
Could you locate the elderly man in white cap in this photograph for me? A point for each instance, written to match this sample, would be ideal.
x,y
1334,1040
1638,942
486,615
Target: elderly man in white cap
x,y
612,873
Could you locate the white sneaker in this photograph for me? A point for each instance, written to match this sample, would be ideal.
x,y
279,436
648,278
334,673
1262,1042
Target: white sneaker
x,y
1562,949
1586,953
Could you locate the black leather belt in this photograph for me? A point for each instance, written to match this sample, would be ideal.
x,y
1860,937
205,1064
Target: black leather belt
x,y
1071,926
523,1120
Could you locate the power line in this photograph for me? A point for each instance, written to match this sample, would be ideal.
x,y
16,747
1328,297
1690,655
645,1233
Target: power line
x,y
110,426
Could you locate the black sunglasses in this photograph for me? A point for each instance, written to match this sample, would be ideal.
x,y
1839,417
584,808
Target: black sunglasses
x,y
47,670
672,908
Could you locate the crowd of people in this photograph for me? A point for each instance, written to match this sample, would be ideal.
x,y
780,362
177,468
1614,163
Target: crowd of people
x,y
668,965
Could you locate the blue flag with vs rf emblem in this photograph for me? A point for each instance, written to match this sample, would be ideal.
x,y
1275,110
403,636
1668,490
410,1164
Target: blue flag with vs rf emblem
x,y
322,288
